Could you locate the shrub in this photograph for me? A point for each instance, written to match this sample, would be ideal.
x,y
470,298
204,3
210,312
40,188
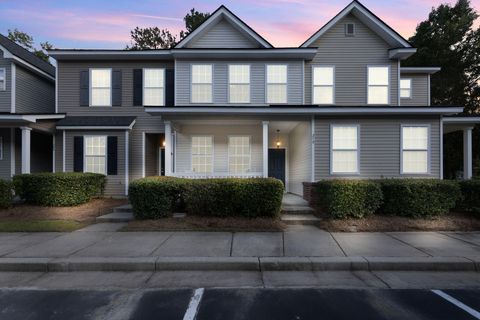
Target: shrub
x,y
6,194
156,197
418,197
59,189
347,198
470,199
259,197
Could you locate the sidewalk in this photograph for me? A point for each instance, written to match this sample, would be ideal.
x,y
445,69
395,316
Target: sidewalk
x,y
100,248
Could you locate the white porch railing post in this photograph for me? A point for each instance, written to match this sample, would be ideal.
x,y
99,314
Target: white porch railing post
x,y
168,148
265,149
467,153
26,149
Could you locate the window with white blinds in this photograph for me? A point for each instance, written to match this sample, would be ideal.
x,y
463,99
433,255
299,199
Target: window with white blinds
x,y
323,85
100,87
153,87
414,144
2,79
406,88
96,154
239,154
277,83
202,79
239,83
202,154
344,149
378,85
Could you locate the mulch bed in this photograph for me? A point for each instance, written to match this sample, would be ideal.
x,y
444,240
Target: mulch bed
x,y
382,223
84,212
195,223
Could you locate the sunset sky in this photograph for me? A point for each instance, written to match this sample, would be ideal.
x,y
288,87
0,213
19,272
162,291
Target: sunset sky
x,y
106,24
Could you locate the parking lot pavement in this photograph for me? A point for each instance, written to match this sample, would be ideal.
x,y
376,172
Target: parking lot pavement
x,y
239,304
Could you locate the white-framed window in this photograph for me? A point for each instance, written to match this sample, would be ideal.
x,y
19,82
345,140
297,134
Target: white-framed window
x,y
202,154
324,85
1,148
239,83
95,154
100,87
344,149
378,85
153,87
239,155
3,79
414,149
277,75
406,88
202,79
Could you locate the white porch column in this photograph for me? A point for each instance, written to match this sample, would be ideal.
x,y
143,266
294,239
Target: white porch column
x,y
265,149
26,149
467,153
168,148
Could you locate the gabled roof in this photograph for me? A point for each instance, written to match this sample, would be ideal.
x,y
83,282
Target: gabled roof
x,y
25,56
223,13
369,19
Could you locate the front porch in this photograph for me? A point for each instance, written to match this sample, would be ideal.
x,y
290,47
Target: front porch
x,y
219,148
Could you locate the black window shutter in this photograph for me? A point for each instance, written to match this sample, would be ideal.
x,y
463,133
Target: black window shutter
x,y
84,88
112,155
170,87
138,87
116,87
78,154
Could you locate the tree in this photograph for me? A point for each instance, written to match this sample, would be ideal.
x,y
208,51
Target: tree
x,y
155,38
448,40
25,40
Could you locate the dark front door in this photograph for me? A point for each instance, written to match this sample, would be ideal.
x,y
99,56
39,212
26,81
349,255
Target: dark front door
x,y
276,164
162,162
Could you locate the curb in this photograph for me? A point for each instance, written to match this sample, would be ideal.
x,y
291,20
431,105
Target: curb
x,y
75,264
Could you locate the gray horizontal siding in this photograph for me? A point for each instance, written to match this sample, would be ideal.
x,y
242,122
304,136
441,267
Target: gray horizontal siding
x,y
299,154
257,81
33,94
419,90
5,95
222,35
351,56
379,146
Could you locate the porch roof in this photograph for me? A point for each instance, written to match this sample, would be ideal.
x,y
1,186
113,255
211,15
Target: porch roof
x,y
99,123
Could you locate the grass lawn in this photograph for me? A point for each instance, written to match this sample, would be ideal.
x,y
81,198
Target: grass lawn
x,y
41,226
193,223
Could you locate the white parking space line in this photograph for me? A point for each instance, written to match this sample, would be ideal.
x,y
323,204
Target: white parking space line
x,y
458,303
192,309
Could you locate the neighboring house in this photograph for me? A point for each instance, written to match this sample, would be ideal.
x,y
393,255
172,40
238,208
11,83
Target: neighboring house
x,y
27,111
224,102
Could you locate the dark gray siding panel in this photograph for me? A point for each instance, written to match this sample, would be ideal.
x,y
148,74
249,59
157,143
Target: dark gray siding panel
x,y
379,146
351,56
223,35
34,94
5,95
257,81
419,90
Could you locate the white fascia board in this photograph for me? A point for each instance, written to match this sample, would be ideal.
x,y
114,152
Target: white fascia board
x,y
310,111
290,53
429,70
92,128
401,53
458,120
110,54
7,54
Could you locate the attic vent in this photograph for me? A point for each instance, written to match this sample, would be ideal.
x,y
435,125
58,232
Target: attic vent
x,y
349,29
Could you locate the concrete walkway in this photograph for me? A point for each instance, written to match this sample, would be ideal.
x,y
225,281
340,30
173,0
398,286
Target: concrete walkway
x,y
100,248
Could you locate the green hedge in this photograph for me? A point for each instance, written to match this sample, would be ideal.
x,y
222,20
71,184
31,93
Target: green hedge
x,y
347,198
59,189
156,197
418,197
470,199
261,197
6,194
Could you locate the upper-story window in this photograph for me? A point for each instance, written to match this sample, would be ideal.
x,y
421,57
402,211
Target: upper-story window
x,y
406,88
277,83
2,79
239,83
323,85
378,85
100,87
154,87
350,29
202,78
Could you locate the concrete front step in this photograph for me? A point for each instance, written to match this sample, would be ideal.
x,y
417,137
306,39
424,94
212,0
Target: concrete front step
x,y
124,208
122,216
300,219
297,210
